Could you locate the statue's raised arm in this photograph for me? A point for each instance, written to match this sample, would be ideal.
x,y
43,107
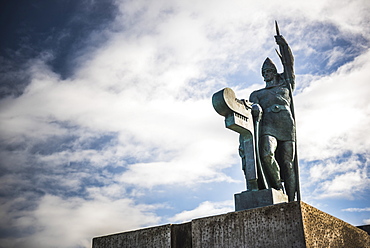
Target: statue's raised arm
x,y
286,57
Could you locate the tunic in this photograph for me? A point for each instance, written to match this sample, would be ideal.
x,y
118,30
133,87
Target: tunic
x,y
277,119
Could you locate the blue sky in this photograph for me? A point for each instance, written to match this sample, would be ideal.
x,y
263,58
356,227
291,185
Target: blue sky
x,y
106,116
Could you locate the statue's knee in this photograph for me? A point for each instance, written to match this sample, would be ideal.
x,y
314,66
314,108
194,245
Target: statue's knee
x,y
264,159
289,166
267,158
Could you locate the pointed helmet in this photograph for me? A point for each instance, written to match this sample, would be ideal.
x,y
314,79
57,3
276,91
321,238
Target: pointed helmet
x,y
268,64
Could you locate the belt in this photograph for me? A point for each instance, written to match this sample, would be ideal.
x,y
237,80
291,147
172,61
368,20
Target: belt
x,y
276,108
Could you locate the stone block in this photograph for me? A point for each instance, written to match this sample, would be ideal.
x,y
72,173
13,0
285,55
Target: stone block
x,y
272,226
171,236
261,198
324,230
294,224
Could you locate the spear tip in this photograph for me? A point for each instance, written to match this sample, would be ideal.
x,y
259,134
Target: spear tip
x,y
277,28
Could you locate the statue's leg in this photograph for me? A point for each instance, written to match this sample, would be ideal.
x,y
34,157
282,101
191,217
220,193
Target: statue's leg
x,y
268,145
287,154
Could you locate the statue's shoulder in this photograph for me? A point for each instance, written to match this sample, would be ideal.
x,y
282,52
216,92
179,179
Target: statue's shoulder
x,y
257,92
254,96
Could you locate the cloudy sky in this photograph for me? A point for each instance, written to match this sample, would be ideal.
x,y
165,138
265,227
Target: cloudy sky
x,y
107,123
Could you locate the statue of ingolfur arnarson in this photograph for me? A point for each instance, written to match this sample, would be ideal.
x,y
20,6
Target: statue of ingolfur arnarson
x,y
267,148
277,135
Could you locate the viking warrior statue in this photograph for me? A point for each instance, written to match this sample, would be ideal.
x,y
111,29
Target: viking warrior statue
x,y
273,109
266,124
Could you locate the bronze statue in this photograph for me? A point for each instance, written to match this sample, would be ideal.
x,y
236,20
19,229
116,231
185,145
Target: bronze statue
x,y
266,124
277,134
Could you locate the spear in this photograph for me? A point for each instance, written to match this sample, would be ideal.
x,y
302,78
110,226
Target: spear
x,y
282,55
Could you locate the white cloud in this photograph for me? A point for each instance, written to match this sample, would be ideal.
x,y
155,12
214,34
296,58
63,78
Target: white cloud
x,y
333,119
333,113
366,221
327,169
204,209
181,129
345,185
357,209
73,222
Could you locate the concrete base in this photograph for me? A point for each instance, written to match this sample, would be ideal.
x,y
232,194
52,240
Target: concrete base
x,y
294,224
254,199
178,236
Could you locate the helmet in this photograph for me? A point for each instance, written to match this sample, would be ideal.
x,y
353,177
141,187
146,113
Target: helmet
x,y
268,64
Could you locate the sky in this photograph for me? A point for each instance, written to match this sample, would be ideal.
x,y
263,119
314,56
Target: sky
x,y
106,118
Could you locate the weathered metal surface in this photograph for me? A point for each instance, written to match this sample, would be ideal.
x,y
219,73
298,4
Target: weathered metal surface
x,y
225,103
238,117
237,112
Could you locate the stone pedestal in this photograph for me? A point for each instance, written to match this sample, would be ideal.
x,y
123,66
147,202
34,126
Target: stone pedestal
x,y
175,236
294,224
261,198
